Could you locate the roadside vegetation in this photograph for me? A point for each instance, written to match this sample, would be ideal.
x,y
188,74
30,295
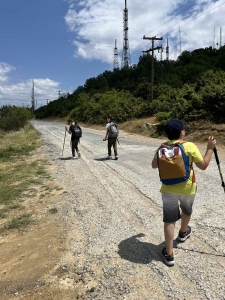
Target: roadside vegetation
x,y
14,118
22,174
30,226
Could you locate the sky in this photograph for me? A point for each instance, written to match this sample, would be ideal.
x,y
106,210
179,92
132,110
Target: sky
x,y
59,44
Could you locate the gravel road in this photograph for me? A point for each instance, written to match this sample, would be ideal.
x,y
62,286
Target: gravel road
x,y
114,212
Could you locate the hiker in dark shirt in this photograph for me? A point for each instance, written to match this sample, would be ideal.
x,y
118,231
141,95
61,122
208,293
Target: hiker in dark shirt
x,y
76,134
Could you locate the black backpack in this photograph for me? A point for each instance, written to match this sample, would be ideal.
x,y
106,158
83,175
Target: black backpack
x,y
76,132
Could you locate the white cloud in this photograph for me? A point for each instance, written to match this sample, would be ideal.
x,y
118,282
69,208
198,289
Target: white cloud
x,y
4,70
20,93
97,23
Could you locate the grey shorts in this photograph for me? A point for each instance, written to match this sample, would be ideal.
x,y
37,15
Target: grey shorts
x,y
171,211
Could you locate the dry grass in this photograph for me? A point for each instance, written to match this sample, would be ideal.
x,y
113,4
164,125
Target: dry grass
x,y
198,131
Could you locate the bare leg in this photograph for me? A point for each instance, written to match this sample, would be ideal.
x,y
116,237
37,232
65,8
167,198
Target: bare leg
x,y
169,235
184,222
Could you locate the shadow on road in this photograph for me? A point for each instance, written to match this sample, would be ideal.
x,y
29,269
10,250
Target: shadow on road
x,y
133,250
65,158
101,159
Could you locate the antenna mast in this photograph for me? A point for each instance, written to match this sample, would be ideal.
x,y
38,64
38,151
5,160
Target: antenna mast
x,y
126,50
115,60
32,97
220,37
180,39
59,93
167,50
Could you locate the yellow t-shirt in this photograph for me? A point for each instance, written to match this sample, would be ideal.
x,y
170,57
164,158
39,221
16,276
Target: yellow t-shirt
x,y
187,187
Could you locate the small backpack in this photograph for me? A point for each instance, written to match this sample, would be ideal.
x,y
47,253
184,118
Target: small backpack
x,y
173,164
76,131
113,130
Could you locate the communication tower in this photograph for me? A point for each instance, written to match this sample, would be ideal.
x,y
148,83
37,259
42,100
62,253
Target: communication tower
x,y
32,97
115,60
180,39
167,49
214,36
126,51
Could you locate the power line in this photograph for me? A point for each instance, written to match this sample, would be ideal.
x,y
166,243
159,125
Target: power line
x,y
168,32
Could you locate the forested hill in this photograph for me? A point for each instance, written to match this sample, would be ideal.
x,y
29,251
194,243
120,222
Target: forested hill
x,y
191,88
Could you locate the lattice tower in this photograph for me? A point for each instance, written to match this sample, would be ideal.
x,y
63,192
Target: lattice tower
x,y
115,58
167,49
126,61
32,97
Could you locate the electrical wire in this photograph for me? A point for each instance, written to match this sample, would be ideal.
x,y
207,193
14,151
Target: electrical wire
x,y
168,32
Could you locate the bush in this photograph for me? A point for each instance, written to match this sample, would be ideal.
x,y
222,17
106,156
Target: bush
x,y
14,118
122,105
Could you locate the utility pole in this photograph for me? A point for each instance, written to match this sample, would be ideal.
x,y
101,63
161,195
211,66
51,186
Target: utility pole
x,y
153,39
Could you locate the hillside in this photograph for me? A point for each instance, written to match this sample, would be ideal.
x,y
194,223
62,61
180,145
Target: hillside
x,y
192,88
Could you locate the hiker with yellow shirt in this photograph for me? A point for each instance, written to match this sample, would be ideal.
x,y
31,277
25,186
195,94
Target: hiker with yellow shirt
x,y
174,159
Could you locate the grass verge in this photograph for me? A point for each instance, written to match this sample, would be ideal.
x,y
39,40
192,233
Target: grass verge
x,y
21,175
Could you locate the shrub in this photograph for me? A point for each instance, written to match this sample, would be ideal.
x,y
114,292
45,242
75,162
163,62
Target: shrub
x,y
14,118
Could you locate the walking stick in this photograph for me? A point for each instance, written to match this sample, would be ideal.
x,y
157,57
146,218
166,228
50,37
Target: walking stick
x,y
218,163
64,142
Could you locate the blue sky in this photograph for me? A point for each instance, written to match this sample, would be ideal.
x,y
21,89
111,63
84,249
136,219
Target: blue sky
x,y
61,43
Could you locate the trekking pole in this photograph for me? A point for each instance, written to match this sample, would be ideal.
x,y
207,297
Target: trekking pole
x,y
118,141
64,142
218,164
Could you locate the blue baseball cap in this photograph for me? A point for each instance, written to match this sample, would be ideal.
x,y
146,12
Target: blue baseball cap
x,y
175,125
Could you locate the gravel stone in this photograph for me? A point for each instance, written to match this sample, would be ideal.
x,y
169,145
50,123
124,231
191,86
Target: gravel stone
x,y
113,211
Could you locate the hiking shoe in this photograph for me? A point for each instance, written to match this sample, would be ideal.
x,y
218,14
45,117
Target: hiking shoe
x,y
116,157
109,156
182,236
169,259
78,154
74,157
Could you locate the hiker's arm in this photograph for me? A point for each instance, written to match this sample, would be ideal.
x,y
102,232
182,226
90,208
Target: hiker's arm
x,y
207,157
154,163
67,130
106,134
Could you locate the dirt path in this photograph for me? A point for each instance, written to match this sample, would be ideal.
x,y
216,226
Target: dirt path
x,y
112,214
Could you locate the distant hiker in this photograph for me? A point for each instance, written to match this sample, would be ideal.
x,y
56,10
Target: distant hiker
x,y
112,133
174,160
76,134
